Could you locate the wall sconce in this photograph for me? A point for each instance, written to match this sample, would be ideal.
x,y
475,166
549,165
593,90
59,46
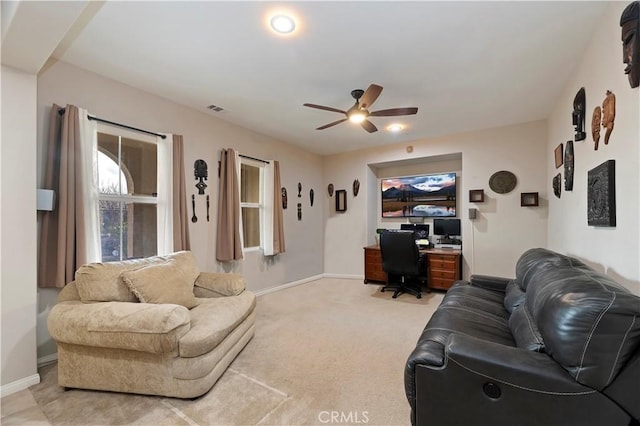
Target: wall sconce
x,y
45,199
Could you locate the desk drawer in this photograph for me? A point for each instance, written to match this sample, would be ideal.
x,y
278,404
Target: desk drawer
x,y
443,273
442,262
440,283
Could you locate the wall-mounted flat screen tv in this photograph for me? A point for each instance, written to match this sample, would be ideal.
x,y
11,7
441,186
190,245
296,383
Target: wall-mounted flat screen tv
x,y
424,195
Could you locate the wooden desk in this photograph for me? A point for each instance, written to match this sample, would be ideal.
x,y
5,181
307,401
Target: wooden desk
x,y
444,267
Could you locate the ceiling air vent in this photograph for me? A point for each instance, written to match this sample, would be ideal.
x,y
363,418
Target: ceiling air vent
x,y
215,108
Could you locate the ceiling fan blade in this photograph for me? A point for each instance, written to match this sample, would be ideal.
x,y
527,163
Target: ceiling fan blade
x,y
368,126
331,124
394,111
370,96
326,108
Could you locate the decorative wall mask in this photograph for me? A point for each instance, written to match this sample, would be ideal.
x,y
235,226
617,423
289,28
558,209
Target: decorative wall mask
x,y
284,197
330,189
601,195
568,166
299,211
299,190
630,23
201,173
608,114
311,197
557,185
596,120
356,187
207,207
578,115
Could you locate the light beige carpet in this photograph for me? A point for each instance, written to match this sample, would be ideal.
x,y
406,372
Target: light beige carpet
x,y
327,352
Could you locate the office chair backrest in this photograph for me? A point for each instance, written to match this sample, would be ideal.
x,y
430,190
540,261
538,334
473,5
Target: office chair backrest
x,y
400,254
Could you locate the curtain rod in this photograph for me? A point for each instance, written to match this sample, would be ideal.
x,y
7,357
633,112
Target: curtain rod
x,y
253,158
102,120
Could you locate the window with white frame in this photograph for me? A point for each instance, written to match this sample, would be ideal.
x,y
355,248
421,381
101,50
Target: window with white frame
x,y
252,202
128,194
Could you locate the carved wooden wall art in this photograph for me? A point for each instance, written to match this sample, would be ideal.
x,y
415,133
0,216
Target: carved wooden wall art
x,y
201,173
608,114
557,185
578,115
601,195
630,23
299,190
311,197
356,187
568,166
330,190
596,121
299,211
284,198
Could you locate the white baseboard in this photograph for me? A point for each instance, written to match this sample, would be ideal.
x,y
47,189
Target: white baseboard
x,y
19,385
344,276
287,285
47,359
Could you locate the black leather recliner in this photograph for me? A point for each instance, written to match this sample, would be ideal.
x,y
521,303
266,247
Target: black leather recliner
x,y
557,345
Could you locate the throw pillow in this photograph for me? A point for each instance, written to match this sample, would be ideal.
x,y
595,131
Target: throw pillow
x,y
163,283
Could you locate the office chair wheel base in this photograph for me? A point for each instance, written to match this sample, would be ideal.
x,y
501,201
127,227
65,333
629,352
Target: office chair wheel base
x,y
395,296
419,296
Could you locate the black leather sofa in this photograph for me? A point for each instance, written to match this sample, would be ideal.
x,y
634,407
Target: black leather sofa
x,y
557,345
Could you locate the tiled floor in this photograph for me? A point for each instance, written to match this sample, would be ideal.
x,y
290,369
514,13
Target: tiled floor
x,y
21,409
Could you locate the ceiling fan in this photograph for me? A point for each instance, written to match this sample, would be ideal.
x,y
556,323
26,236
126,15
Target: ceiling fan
x,y
359,112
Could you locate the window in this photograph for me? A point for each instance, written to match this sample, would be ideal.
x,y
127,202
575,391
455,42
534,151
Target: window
x,y
128,189
252,202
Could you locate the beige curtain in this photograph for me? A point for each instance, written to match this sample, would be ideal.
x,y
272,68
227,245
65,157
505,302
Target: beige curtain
x,y
63,243
228,244
181,239
278,228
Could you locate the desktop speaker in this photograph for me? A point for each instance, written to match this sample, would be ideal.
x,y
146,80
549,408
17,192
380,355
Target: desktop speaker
x,y
417,219
472,213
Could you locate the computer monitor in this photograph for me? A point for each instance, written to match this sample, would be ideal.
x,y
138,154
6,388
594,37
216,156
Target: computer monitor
x,y
446,227
420,230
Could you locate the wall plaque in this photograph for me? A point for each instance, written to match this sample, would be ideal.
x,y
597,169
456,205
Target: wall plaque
x,y
601,195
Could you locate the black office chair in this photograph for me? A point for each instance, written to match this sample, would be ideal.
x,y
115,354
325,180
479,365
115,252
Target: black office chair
x,y
402,262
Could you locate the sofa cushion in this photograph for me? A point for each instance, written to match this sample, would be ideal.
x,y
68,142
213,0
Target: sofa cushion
x,y
221,284
589,323
119,325
212,320
101,282
163,283
524,330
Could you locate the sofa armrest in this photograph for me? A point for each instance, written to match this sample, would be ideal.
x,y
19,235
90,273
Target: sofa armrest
x,y
218,284
489,282
145,327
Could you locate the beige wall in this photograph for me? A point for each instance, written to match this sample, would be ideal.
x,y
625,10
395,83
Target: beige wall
x,y
204,136
18,232
614,251
493,242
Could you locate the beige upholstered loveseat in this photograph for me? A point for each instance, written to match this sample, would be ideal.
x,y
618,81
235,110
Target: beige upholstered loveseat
x,y
150,326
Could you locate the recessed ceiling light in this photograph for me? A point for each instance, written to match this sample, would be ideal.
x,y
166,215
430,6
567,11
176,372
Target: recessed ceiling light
x,y
283,24
395,127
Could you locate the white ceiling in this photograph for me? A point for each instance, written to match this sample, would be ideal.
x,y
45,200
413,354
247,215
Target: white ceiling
x,y
465,65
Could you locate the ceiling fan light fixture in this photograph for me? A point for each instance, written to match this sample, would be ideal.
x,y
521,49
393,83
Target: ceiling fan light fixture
x,y
395,127
357,117
282,24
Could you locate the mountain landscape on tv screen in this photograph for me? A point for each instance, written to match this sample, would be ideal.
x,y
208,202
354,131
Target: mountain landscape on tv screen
x,y
418,196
